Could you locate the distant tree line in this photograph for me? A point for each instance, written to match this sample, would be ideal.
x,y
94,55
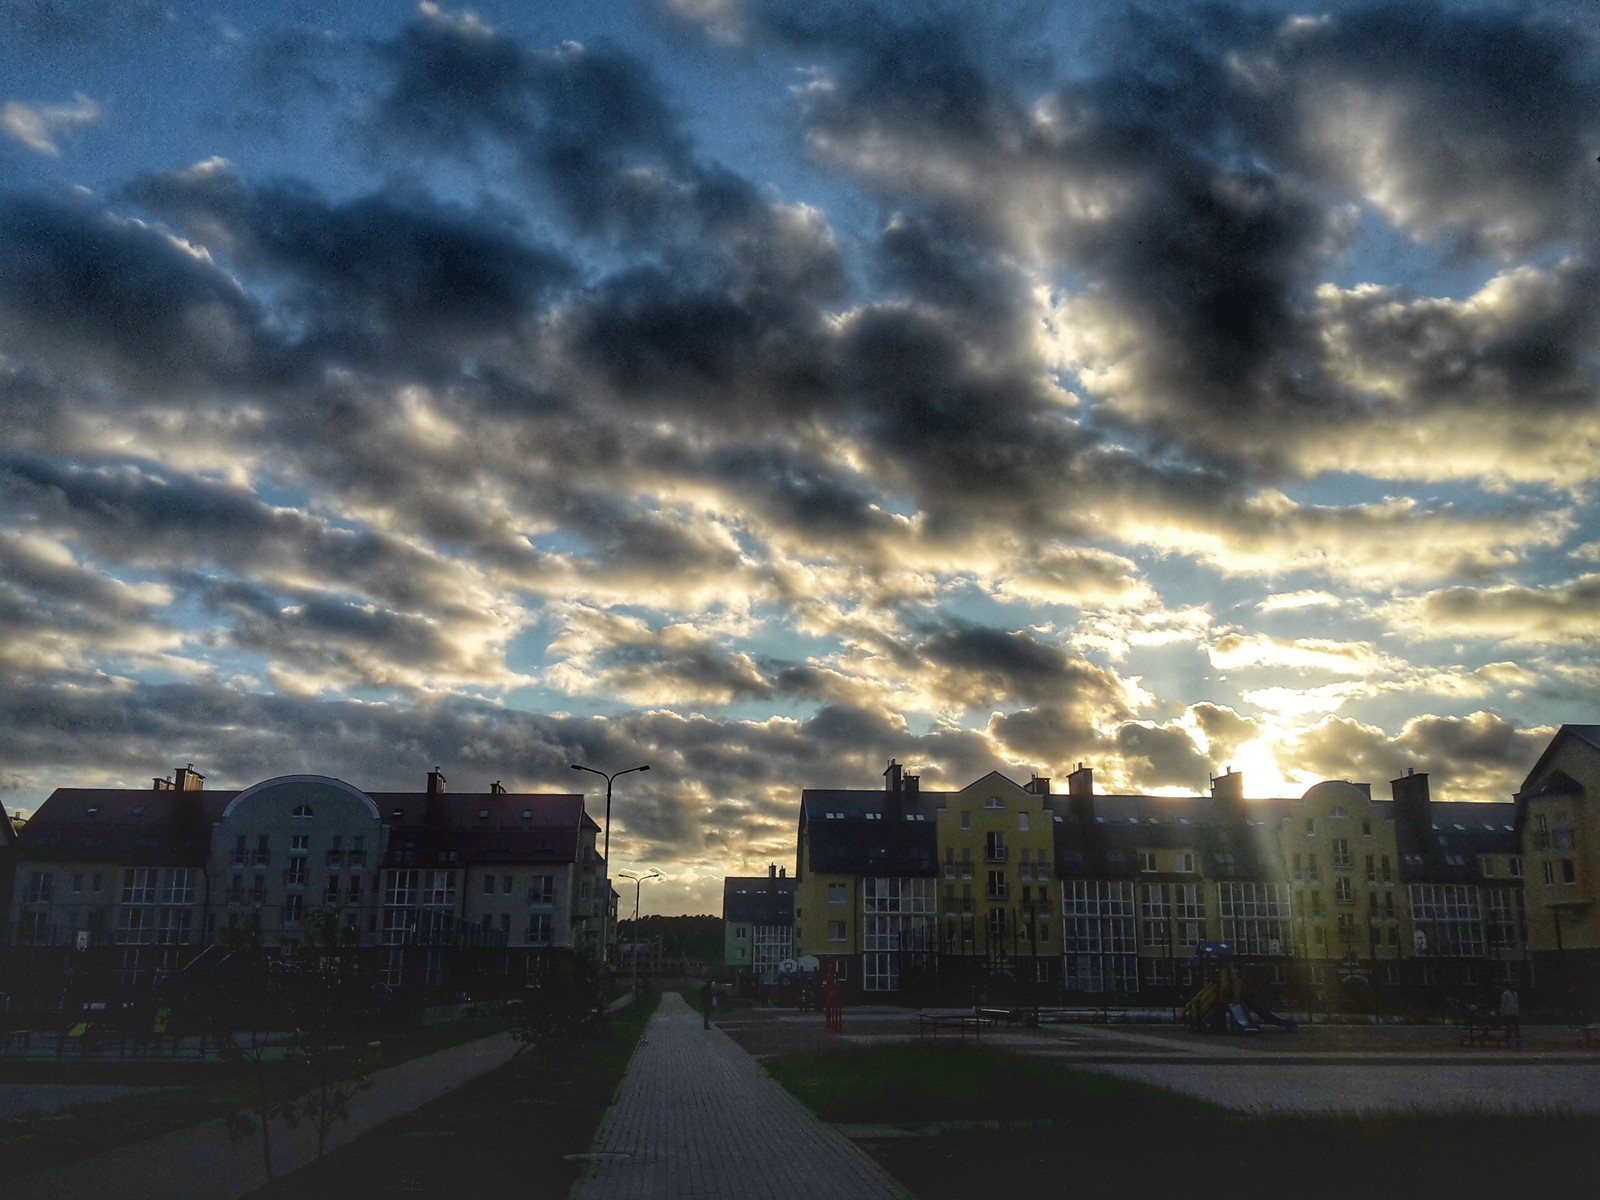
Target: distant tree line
x,y
698,937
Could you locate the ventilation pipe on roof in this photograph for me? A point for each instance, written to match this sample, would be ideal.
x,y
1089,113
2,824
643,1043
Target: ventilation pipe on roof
x,y
1080,794
1413,819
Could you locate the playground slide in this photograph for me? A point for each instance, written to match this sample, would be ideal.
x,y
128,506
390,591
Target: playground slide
x,y
1267,1017
1241,1019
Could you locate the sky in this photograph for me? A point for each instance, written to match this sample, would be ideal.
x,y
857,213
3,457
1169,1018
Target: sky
x,y
761,391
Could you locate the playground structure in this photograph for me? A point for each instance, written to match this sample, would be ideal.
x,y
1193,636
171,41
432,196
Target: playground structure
x,y
1227,1002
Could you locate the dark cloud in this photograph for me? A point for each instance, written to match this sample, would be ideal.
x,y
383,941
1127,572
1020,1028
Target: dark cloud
x,y
1162,756
1479,756
373,277
92,294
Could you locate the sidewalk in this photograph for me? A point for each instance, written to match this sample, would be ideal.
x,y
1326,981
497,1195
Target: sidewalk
x,y
204,1163
697,1117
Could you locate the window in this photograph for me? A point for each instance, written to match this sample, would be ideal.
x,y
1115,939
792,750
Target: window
x,y
1341,852
539,929
994,847
997,885
1098,936
293,909
542,889
1366,829
295,874
1486,865
1383,869
1342,892
1446,920
1514,864
966,820
836,931
1022,822
1297,868
179,887
139,886
1311,827
505,885
1569,874
263,851
1186,862
77,881
1255,917
949,862
94,883
1311,868
1541,836
41,886
966,862
302,810
1147,860
1372,869
836,893
300,843
240,853
1549,872
355,889
994,802
488,885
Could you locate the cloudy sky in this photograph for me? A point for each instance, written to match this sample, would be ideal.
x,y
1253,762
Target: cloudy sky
x,y
762,390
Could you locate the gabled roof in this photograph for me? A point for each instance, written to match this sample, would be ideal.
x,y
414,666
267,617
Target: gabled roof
x,y
853,832
758,899
123,825
1589,735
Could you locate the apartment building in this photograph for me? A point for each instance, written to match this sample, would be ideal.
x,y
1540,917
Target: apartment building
x,y
1017,893
758,918
122,886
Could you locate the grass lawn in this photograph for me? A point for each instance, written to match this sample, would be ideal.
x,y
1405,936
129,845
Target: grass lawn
x,y
1042,1128
513,1132
186,1093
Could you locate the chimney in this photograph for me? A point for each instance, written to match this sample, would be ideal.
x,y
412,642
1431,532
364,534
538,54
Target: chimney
x,y
783,872
772,870
911,785
161,785
894,789
497,788
187,779
1227,795
1039,785
433,814
892,776
1080,794
1413,819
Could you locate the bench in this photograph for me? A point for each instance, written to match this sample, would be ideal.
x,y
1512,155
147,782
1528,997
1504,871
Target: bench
x,y
1479,1028
960,1023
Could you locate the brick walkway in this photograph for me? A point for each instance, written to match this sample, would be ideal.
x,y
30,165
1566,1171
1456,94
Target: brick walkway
x,y
697,1117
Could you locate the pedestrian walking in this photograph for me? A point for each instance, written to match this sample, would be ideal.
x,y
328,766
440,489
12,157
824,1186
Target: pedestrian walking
x,y
1511,1014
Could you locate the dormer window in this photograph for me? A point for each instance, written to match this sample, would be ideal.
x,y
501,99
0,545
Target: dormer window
x,y
483,814
527,814
137,812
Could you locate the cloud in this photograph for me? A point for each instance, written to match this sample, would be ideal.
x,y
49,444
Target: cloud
x,y
1480,756
39,126
1518,614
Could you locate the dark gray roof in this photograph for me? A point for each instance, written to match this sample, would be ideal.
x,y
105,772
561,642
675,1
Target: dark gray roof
x,y
758,900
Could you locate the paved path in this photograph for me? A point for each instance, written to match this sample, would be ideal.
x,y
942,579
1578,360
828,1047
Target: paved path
x,y
697,1117
1505,1085
204,1163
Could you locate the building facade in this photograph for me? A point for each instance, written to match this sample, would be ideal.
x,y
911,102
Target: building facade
x,y
1004,892
121,888
758,924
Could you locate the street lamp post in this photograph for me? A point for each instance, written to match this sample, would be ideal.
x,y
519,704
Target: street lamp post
x,y
605,907
638,882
